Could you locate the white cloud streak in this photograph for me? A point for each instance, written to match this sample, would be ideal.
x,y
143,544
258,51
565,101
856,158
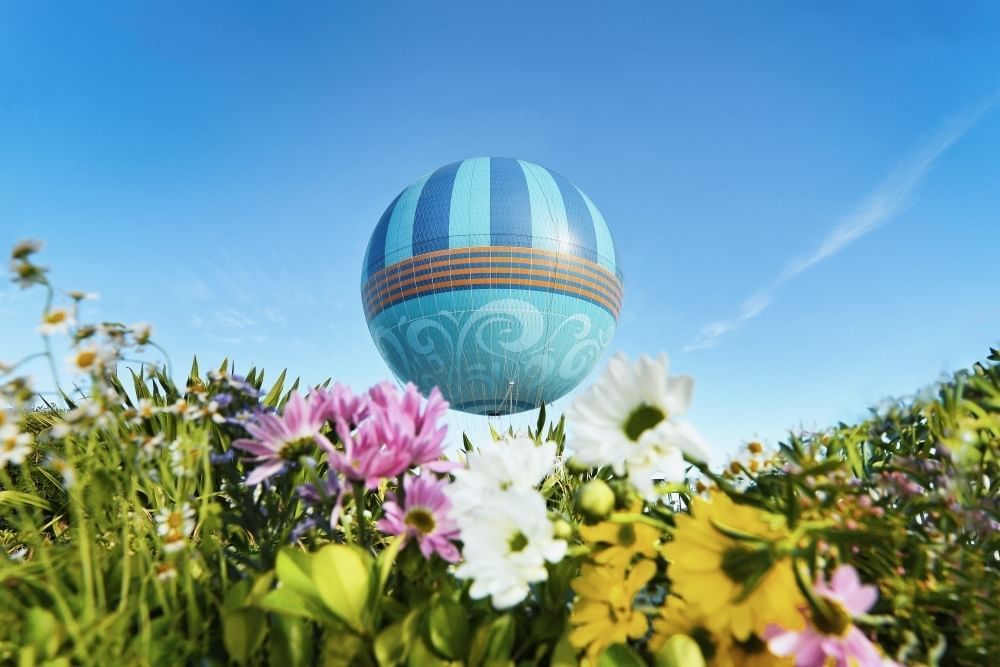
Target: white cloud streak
x,y
888,200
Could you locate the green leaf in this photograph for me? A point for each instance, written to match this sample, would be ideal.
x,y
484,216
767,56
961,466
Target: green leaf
x,y
679,651
292,642
343,649
540,424
297,594
493,642
236,595
422,656
288,394
243,631
493,433
288,602
23,500
273,396
391,645
99,492
261,587
621,655
448,628
386,559
563,655
343,575
42,632
139,385
294,569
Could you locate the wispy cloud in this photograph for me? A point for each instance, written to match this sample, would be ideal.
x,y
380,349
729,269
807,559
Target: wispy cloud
x,y
892,196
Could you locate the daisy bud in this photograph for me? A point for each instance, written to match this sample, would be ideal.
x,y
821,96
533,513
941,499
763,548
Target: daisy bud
x,y
25,248
680,651
595,500
561,529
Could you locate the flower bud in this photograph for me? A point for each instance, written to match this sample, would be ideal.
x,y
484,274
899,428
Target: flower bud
x,y
595,500
679,651
561,529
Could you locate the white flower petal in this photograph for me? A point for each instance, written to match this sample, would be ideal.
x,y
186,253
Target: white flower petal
x,y
678,395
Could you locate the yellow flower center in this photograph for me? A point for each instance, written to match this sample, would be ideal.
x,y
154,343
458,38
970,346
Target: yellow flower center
x,y
291,451
85,358
705,641
831,618
626,535
743,564
518,542
420,519
752,645
55,317
174,520
642,419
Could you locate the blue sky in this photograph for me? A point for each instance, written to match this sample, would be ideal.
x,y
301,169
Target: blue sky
x,y
804,197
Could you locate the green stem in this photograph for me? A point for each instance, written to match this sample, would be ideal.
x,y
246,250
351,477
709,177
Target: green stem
x,y
359,509
638,518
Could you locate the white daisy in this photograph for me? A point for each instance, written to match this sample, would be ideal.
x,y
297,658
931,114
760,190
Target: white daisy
x,y
149,445
174,526
56,321
87,359
628,420
165,572
506,546
509,464
60,466
185,461
14,445
142,331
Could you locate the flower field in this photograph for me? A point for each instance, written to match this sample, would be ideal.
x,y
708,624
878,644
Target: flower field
x,y
230,519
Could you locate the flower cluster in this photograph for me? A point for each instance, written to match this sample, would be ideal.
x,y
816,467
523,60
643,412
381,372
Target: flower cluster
x,y
504,523
150,522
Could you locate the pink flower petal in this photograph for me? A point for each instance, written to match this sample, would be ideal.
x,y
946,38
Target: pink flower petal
x,y
845,580
262,472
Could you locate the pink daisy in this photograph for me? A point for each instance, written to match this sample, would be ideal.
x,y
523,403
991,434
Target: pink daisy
x,y
279,439
365,458
424,517
401,431
842,641
340,404
401,424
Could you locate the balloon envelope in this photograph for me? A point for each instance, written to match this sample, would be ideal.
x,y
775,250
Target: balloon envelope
x,y
495,280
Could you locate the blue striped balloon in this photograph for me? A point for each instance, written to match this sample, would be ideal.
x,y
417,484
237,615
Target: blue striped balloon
x,y
495,280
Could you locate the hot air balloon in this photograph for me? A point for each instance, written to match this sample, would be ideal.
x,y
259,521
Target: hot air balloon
x,y
495,280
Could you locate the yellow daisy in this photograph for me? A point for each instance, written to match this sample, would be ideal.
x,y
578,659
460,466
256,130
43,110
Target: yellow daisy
x,y
602,613
718,650
737,585
621,541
